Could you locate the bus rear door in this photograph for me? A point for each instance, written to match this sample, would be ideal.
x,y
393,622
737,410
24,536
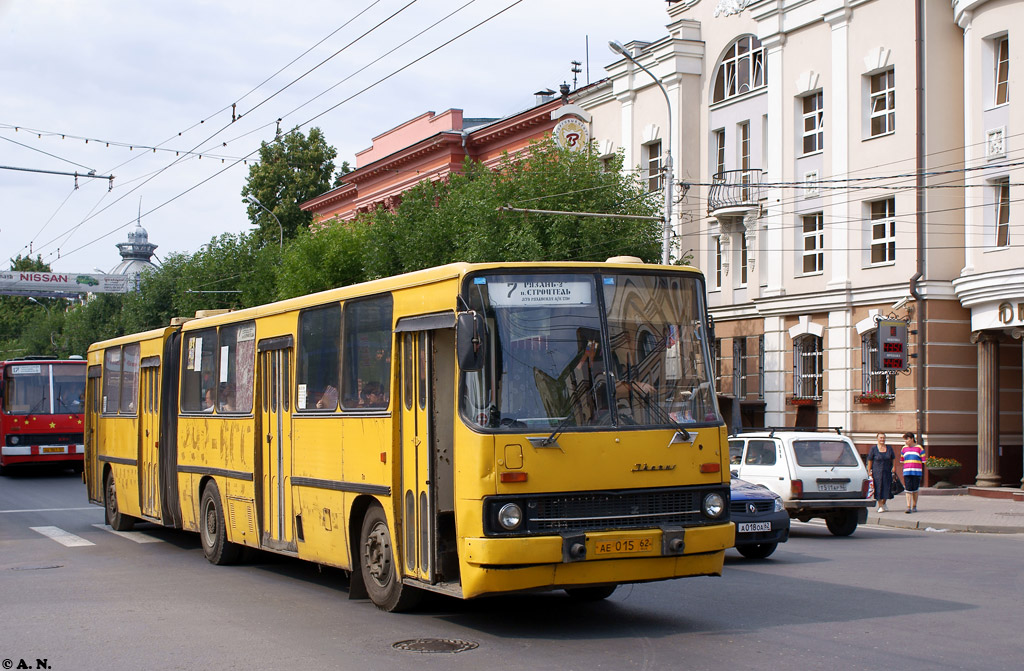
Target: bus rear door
x,y
275,455
149,438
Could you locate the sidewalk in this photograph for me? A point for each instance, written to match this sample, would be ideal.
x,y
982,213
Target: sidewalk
x,y
953,510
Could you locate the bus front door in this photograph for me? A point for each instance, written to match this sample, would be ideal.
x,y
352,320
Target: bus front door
x,y
275,457
149,459
93,473
428,505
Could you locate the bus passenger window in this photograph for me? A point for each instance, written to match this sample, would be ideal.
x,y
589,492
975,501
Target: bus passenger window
x,y
236,378
318,358
199,353
367,359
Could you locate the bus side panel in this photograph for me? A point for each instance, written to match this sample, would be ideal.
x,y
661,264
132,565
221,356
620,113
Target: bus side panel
x,y
323,510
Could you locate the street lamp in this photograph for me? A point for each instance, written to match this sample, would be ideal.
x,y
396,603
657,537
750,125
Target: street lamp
x,y
32,299
252,199
667,233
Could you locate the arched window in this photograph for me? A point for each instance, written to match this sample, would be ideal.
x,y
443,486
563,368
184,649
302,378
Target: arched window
x,y
743,69
807,366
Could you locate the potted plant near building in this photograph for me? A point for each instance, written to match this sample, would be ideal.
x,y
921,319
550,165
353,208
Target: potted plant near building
x,y
873,397
941,469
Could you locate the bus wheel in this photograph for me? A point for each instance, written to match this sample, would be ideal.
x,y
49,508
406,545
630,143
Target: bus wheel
x,y
211,529
377,564
117,520
590,593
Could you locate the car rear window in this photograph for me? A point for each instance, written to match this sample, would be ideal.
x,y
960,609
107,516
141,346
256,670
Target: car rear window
x,y
824,453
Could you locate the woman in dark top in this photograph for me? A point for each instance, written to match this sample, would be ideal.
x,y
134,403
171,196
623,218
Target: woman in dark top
x,y
881,463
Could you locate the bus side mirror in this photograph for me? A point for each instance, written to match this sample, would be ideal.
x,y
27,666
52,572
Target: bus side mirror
x,y
471,340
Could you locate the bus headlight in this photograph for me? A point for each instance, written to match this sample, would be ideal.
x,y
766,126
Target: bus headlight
x,y
714,505
510,516
13,440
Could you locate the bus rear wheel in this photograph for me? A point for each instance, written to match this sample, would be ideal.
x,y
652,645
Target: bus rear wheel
x,y
117,520
378,567
212,531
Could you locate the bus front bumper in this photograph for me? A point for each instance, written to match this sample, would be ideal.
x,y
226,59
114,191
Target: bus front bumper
x,y
494,565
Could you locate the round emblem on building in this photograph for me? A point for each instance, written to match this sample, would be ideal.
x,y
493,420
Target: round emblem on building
x,y
571,134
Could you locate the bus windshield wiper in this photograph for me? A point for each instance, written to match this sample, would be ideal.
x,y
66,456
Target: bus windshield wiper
x,y
649,402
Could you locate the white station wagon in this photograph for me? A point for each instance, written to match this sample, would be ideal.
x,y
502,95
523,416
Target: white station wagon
x,y
817,472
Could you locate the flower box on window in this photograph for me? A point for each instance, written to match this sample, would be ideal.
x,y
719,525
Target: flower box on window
x,y
803,400
873,399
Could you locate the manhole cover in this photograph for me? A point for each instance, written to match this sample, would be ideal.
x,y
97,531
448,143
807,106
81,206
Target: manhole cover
x,y
435,645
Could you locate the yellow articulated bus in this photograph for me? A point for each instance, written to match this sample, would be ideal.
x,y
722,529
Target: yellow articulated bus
x,y
469,429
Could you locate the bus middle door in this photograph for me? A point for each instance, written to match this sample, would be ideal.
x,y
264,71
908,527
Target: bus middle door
x,y
417,476
275,453
149,458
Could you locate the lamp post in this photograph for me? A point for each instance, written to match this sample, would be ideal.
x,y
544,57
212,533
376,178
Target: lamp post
x,y
46,307
667,233
252,199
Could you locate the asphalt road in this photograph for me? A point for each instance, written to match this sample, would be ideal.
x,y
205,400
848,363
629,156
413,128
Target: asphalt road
x,y
882,599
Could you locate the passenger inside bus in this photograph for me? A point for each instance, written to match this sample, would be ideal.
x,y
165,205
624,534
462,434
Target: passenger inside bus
x,y
372,396
209,398
329,399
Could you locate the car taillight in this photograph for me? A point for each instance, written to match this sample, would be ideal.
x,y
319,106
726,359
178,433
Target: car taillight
x,y
864,489
796,488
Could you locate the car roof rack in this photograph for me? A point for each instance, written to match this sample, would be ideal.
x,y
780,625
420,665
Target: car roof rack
x,y
772,429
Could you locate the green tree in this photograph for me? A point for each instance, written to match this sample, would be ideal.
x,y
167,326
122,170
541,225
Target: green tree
x,y
292,169
19,315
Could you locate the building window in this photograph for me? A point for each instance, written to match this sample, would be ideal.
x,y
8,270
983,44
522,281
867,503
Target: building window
x,y
718,367
718,262
652,158
743,260
814,123
814,243
745,158
807,360
873,380
719,152
1003,213
883,103
883,231
743,69
1002,70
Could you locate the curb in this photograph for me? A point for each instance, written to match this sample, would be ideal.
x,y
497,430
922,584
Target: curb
x,y
922,525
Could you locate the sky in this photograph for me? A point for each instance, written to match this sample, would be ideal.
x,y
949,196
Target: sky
x,y
143,91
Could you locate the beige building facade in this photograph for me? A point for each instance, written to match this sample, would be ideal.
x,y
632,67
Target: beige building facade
x,y
839,162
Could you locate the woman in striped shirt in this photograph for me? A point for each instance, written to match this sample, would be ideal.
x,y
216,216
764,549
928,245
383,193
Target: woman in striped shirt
x,y
913,469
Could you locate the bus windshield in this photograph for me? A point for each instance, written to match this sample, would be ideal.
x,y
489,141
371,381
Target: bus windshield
x,y
44,389
612,349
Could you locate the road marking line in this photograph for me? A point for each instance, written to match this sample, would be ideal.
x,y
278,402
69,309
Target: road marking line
x,y
137,536
47,510
65,538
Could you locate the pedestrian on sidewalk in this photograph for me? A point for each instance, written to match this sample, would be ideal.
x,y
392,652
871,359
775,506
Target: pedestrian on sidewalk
x,y
913,469
882,464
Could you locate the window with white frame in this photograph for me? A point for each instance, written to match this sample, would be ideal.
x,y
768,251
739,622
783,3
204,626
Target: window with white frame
x,y
872,379
883,231
814,243
1002,61
744,133
743,69
883,103
743,260
807,366
719,152
652,159
814,123
1002,213
718,262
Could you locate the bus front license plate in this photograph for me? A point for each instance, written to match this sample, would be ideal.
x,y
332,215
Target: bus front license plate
x,y
47,450
623,546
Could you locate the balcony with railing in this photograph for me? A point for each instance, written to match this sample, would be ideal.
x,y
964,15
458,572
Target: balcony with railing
x,y
734,192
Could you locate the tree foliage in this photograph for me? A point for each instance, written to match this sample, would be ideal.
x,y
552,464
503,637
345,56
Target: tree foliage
x,y
292,169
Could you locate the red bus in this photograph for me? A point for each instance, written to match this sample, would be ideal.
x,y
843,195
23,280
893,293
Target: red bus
x,y
42,400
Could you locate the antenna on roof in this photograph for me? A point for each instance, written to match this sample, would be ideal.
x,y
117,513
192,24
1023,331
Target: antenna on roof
x,y
576,70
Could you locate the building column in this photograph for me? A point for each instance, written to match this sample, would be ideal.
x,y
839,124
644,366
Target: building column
x,y
775,219
841,208
988,408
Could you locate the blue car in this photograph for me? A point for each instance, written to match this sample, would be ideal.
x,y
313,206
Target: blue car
x,y
761,520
